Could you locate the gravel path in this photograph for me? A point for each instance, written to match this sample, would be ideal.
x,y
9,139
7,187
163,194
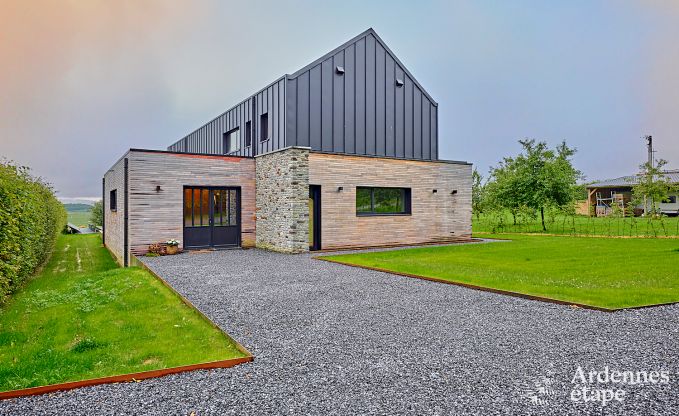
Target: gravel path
x,y
331,339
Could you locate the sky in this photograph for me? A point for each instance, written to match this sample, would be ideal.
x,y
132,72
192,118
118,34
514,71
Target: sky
x,y
82,81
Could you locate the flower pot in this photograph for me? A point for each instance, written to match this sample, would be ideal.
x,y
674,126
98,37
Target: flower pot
x,y
172,249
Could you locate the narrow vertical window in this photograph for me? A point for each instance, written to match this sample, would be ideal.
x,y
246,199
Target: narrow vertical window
x,y
232,141
264,126
113,200
248,134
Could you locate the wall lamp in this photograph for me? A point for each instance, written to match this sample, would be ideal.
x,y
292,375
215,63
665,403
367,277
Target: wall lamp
x,y
435,190
399,82
340,188
339,69
158,188
454,192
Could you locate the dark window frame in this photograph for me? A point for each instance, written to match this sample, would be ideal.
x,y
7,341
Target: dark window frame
x,y
225,140
671,199
264,127
407,202
113,200
248,133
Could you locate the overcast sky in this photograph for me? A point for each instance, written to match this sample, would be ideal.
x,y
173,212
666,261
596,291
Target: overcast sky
x,y
82,81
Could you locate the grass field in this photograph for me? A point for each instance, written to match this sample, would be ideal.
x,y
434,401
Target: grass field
x,y
84,317
79,217
580,225
603,272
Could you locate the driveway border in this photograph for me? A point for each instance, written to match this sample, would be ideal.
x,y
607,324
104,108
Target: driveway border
x,y
493,290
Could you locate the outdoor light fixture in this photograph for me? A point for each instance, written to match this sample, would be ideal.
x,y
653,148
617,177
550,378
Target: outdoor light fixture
x,y
435,190
399,82
339,69
340,188
157,188
454,192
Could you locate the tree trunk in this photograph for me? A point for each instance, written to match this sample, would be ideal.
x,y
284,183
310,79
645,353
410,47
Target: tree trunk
x,y
514,215
542,215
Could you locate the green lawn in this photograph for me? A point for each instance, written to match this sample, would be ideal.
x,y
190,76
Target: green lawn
x,y
603,272
579,225
79,217
84,317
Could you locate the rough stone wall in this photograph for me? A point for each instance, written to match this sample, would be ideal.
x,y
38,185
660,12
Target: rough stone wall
x,y
436,217
114,221
282,200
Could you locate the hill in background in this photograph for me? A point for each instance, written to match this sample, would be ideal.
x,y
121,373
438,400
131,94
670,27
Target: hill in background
x,y
78,207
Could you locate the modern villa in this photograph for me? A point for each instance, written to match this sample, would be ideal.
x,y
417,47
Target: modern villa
x,y
343,153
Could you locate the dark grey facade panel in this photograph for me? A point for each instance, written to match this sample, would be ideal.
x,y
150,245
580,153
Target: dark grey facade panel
x,y
380,100
417,124
357,99
425,129
367,107
349,99
337,137
209,138
327,75
314,107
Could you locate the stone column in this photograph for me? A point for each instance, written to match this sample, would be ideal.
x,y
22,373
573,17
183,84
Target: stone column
x,y
282,189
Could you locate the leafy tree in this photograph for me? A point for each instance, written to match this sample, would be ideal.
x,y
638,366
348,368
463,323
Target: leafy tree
x,y
478,191
97,213
653,187
538,178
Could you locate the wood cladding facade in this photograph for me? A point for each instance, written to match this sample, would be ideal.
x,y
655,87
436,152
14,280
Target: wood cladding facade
x,y
435,216
155,195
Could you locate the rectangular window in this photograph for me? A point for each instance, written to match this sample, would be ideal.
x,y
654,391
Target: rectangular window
x,y
672,199
232,141
382,201
113,200
264,126
248,134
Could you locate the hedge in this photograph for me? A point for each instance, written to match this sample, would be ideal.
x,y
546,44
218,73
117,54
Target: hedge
x,y
31,219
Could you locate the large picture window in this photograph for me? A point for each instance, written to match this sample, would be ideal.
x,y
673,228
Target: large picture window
x,y
232,141
382,201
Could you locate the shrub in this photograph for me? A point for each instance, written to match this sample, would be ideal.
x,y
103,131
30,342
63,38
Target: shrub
x,y
30,221
97,213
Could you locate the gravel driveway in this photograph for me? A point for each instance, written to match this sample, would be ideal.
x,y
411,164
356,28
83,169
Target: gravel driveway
x,y
331,339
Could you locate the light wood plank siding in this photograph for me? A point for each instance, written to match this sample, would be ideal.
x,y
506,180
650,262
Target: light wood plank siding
x,y
157,216
436,217
115,225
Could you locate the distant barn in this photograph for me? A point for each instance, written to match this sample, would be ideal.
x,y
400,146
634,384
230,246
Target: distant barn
x,y
604,196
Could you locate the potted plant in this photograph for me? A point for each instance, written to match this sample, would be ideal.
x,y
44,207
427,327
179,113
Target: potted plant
x,y
172,246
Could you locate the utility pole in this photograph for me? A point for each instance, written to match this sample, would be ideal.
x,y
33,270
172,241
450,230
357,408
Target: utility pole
x,y
649,147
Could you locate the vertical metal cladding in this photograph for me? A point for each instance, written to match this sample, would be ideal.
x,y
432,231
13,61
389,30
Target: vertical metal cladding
x,y
373,106
210,137
357,99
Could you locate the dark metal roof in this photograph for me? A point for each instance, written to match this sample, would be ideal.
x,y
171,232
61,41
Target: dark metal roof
x,y
631,180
